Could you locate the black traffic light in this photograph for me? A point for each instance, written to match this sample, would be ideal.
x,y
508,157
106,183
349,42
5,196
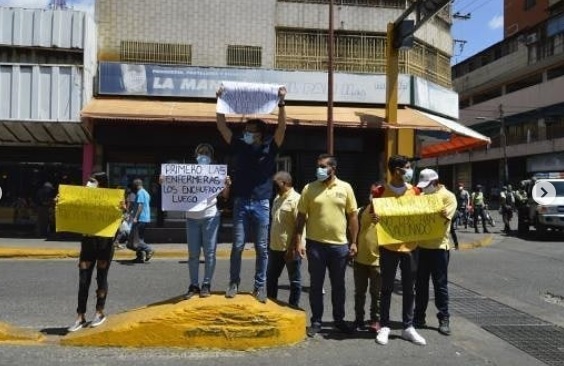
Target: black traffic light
x,y
403,37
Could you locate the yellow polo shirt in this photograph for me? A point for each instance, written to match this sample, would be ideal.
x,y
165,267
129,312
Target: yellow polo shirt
x,y
284,212
326,207
388,192
367,241
449,201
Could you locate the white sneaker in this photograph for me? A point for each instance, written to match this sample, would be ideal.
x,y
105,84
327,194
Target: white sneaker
x,y
98,320
410,334
382,336
79,324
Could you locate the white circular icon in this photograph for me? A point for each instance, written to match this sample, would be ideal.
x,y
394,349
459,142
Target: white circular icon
x,y
544,192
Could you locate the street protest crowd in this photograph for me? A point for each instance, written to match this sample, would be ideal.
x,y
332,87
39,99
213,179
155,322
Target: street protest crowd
x,y
323,224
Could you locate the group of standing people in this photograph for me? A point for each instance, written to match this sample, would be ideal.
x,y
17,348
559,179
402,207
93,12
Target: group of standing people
x,y
320,224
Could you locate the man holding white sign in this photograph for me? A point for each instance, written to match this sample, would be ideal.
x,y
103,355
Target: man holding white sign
x,y
255,164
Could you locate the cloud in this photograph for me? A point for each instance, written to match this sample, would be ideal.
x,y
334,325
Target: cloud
x,y
496,22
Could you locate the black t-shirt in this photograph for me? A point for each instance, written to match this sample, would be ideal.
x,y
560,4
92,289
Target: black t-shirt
x,y
254,168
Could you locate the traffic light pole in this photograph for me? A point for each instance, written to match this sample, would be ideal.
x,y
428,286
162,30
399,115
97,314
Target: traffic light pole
x,y
402,141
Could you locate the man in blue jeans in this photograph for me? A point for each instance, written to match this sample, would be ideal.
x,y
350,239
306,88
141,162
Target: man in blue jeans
x,y
141,218
255,164
328,209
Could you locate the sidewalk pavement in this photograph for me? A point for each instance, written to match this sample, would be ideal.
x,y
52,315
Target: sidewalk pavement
x,y
49,249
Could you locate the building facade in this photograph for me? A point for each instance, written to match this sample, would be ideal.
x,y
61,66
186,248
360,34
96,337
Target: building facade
x,y
512,92
47,68
178,52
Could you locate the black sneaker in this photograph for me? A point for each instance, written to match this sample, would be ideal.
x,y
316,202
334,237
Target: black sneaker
x,y
359,324
444,327
343,327
313,329
139,259
419,323
149,255
205,291
192,290
260,294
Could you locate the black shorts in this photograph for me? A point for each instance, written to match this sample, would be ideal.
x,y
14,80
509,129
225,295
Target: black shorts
x,y
93,248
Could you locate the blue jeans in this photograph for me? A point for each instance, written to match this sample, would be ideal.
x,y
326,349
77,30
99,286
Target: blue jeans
x,y
323,257
250,214
139,228
202,233
276,263
433,263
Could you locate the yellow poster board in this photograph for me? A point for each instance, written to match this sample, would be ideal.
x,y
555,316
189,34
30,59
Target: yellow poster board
x,y
409,219
89,211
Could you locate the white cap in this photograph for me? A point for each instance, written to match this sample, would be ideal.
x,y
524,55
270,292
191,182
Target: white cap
x,y
427,176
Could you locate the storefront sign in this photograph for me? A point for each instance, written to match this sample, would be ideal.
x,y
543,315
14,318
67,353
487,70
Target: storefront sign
x,y
202,82
189,187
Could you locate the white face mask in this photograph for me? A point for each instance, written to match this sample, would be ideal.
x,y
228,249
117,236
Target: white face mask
x,y
91,184
430,189
203,159
322,174
408,176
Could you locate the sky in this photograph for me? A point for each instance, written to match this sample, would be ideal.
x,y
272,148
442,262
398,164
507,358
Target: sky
x,y
483,29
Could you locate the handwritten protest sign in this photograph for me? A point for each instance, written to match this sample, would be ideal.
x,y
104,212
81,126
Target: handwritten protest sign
x,y
409,219
247,98
188,187
89,211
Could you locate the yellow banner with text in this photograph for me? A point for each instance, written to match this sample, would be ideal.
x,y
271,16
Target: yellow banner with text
x,y
409,219
89,211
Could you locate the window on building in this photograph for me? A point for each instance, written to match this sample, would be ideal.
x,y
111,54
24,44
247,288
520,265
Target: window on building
x,y
555,72
523,83
357,52
22,55
528,4
250,56
487,95
156,53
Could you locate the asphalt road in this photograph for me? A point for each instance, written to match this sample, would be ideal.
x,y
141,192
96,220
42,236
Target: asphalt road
x,y
41,295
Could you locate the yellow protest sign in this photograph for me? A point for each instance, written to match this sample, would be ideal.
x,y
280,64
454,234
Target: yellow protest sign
x,y
408,219
89,211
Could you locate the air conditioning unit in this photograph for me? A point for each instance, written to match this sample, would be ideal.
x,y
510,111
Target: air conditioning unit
x,y
531,38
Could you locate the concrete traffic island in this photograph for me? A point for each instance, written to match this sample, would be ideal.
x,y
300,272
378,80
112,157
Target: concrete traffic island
x,y
10,334
215,322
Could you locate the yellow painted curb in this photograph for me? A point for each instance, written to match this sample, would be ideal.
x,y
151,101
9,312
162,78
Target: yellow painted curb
x,y
484,242
57,253
10,334
215,322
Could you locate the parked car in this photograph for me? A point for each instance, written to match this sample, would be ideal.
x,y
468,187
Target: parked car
x,y
546,216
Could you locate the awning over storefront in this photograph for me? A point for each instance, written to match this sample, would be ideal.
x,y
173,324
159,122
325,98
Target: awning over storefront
x,y
158,111
461,138
43,133
168,111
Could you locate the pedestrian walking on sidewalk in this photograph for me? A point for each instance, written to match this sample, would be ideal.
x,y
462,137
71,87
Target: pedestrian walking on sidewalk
x,y
434,257
479,206
141,218
94,252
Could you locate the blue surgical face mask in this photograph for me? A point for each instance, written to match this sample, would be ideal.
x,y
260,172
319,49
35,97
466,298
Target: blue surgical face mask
x,y
408,176
248,138
322,174
203,159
